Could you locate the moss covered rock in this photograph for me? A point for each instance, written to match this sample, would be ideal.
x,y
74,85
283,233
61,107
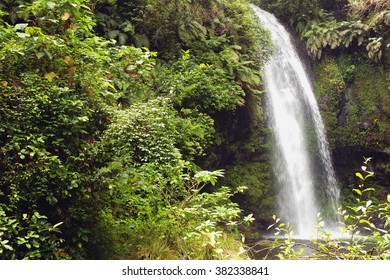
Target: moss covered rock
x,y
353,95
354,99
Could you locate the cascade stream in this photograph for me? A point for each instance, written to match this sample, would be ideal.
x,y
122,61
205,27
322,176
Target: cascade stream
x,y
305,179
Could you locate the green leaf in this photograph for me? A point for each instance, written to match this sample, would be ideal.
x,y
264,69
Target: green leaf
x,y
359,192
270,226
368,175
40,55
49,55
363,221
7,247
21,26
112,34
111,86
22,35
249,218
58,224
51,5
366,160
236,47
50,76
358,174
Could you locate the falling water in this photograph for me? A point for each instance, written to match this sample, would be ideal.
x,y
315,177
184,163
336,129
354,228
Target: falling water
x,y
305,178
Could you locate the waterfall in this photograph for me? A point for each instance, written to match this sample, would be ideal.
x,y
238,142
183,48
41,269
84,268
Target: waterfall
x,y
306,181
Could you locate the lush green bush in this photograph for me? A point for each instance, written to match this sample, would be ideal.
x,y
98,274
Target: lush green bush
x,y
155,134
57,80
49,117
88,123
146,224
207,88
259,199
29,237
154,207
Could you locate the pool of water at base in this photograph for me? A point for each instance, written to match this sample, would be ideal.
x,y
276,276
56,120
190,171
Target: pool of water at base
x,y
265,249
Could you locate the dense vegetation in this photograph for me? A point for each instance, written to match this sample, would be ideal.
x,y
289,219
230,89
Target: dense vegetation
x,y
101,137
324,25
113,111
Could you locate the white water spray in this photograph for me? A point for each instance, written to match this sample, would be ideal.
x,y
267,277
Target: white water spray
x,y
293,112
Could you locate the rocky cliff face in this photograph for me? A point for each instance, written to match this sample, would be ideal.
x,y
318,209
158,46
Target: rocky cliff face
x,y
354,96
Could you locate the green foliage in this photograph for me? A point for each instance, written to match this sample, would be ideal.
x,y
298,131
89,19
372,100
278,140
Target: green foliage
x,y
103,138
56,82
259,199
47,122
131,75
376,14
353,97
204,87
146,145
153,132
194,225
30,237
365,28
59,16
155,209
330,90
210,28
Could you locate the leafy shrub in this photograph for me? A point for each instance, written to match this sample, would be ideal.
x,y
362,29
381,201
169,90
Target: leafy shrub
x,y
30,237
154,207
154,132
49,118
56,83
204,87
197,225
82,128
